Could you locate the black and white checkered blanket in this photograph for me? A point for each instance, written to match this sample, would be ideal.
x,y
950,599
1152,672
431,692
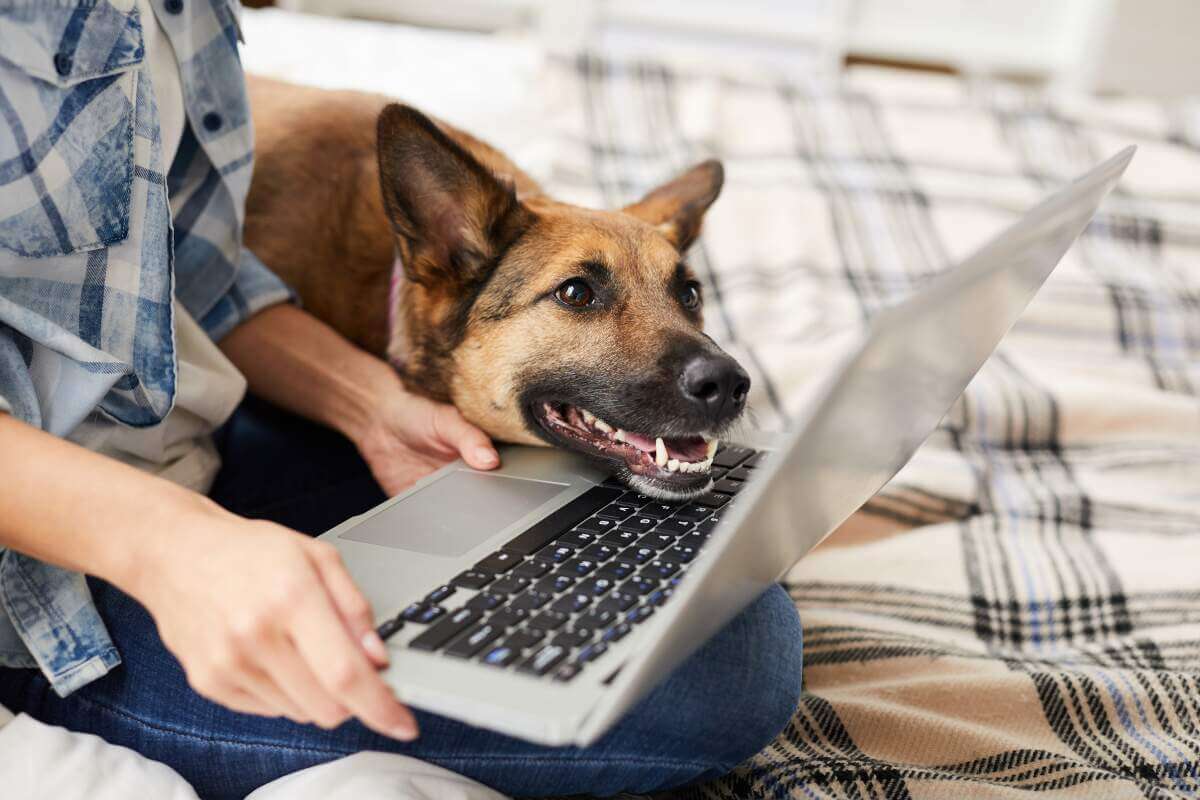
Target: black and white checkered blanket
x,y
1019,610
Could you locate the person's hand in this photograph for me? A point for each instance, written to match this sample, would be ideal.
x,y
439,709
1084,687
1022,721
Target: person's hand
x,y
267,621
408,436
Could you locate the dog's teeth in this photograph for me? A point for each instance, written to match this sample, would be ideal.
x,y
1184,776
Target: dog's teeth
x,y
588,416
601,425
660,452
673,465
712,449
619,435
683,466
704,466
691,466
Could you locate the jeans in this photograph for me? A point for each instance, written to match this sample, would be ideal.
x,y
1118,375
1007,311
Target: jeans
x,y
718,708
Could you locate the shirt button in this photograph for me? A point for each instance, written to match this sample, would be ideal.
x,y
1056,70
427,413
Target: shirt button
x,y
173,6
62,64
211,121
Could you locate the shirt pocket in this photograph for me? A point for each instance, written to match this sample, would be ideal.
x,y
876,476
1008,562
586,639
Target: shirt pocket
x,y
68,88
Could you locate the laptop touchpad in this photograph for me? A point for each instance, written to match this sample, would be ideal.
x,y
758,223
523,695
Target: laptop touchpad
x,y
454,513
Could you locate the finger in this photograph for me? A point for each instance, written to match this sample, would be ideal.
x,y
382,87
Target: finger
x,y
244,702
281,660
349,601
344,670
471,443
267,691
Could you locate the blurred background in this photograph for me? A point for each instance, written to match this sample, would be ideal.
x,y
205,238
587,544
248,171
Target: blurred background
x,y
1145,47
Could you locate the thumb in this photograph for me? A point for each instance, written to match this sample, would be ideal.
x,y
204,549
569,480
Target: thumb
x,y
471,443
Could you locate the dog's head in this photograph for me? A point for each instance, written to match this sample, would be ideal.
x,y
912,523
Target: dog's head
x,y
549,323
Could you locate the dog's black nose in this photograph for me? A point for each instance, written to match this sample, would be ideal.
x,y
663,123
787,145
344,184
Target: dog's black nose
x,y
716,385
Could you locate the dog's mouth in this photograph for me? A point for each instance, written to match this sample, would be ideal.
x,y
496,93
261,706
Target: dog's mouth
x,y
671,467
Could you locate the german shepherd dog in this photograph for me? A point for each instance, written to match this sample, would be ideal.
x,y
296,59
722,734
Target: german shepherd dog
x,y
543,322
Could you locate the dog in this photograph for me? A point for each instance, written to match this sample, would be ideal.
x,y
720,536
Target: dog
x,y
543,322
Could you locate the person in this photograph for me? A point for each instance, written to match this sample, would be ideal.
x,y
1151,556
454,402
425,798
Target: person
x,y
210,632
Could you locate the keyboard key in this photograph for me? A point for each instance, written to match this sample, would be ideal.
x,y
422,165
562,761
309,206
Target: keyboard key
x,y
547,621
439,594
639,585
578,566
549,527
636,499
499,562
598,525
566,672
681,553
413,612
616,633
472,579
712,499
692,513
534,568
509,584
694,540
556,583
659,541
572,638
595,587
742,473
595,619
639,614
729,456
674,526
621,538
640,554
659,510
523,640
447,629
556,554
727,486
543,660
530,601
571,603
389,628
706,527
617,602
508,617
500,656
591,652
716,473
659,569
599,552
474,639
616,569
578,539
617,511
659,597
757,460
485,601
639,524
429,614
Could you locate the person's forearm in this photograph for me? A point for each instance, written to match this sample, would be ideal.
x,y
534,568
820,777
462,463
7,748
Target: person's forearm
x,y
299,363
71,507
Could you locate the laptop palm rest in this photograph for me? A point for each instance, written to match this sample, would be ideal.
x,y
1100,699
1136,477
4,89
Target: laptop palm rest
x,y
455,513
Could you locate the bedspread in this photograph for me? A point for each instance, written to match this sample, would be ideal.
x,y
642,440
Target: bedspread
x,y
1019,609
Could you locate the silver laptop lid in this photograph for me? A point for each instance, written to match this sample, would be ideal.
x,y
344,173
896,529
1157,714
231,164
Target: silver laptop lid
x,y
876,409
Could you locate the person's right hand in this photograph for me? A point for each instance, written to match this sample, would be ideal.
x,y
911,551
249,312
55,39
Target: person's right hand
x,y
267,621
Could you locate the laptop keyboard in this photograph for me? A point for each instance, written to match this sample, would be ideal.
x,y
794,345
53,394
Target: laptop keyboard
x,y
553,599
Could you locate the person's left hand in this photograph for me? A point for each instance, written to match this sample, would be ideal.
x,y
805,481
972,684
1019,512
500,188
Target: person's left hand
x,y
410,436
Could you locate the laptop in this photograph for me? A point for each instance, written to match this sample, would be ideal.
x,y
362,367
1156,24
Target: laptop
x,y
543,600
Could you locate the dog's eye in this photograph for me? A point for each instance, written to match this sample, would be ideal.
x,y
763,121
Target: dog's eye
x,y
575,293
690,296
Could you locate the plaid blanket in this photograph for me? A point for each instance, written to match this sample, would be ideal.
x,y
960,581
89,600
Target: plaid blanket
x,y
1019,610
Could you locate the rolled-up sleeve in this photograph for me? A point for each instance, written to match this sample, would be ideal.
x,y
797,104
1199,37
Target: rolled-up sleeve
x,y
17,394
255,288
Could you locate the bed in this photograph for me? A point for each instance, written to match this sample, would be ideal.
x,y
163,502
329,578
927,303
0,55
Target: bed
x,y
1019,610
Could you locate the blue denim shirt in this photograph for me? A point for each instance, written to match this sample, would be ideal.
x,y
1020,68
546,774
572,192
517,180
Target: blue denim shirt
x,y
91,255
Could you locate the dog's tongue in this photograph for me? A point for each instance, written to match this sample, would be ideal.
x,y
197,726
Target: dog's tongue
x,y
691,448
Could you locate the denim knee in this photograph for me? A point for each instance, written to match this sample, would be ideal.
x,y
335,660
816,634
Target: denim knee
x,y
727,702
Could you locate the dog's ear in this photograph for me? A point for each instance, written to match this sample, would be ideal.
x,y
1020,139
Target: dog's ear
x,y
677,208
452,217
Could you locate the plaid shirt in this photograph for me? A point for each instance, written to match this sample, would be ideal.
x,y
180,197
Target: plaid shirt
x,y
96,237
